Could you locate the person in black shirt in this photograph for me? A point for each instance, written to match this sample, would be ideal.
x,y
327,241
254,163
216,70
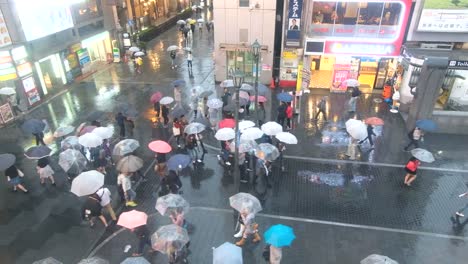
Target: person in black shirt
x,y
144,238
14,176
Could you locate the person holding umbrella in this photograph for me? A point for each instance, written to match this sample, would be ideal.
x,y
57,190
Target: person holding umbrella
x,y
251,228
14,176
45,171
370,133
92,208
277,237
415,136
136,222
189,61
125,184
105,198
173,57
120,118
157,110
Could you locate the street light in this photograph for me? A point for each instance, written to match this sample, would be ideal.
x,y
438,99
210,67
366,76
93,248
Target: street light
x,y
256,53
238,78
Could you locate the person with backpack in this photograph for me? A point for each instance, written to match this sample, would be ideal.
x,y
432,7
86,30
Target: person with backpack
x,y
92,208
322,108
105,200
411,169
289,116
281,116
415,136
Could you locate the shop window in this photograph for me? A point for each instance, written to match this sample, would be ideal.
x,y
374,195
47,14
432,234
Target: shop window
x,y
86,10
453,95
244,3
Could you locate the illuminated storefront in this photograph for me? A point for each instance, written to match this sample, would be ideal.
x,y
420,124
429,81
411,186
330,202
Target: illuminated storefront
x,y
98,47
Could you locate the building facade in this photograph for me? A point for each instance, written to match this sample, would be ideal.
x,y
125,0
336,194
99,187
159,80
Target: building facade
x,y
238,23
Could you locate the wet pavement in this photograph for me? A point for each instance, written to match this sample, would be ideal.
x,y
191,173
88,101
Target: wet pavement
x,y
331,203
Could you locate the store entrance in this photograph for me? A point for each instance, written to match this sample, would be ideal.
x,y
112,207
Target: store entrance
x,y
243,61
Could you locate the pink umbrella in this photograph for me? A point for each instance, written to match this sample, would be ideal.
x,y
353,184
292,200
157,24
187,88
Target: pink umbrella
x,y
132,219
86,129
261,99
156,97
375,121
243,94
159,146
228,122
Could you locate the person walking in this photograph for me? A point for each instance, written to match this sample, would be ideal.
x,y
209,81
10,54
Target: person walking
x,y
139,64
120,118
191,146
92,209
206,109
45,172
105,200
144,238
459,213
199,138
124,182
225,97
353,100
189,61
251,227
322,108
177,130
165,114
194,103
352,150
276,253
100,160
281,115
208,26
289,116
157,110
173,54
130,126
14,176
370,133
39,138
261,114
200,27
411,169
170,184
415,136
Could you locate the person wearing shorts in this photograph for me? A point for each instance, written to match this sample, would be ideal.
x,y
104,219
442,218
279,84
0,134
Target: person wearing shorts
x,y
411,169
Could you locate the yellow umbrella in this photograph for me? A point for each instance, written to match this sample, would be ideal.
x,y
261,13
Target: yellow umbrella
x,y
192,21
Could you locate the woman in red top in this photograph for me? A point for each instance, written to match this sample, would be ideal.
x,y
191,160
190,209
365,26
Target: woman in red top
x,y
411,169
289,115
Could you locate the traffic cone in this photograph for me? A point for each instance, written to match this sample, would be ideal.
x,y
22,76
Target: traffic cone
x,y
272,84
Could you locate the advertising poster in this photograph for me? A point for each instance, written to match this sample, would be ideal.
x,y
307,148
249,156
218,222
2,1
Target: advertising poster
x,y
83,56
293,33
444,16
341,73
116,54
5,39
30,90
6,113
7,69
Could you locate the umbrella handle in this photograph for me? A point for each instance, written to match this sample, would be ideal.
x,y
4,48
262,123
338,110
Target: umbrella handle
x,y
237,223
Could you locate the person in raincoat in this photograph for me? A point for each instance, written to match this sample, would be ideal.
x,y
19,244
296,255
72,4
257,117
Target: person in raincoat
x,y
411,169
250,226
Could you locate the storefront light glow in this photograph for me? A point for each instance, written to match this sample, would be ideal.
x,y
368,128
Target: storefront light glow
x,y
90,41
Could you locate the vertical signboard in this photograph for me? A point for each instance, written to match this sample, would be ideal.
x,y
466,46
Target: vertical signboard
x,y
31,90
293,33
5,39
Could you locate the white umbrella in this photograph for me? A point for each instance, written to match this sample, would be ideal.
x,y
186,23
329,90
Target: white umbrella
x,y
181,22
356,128
378,259
172,47
90,140
227,83
225,134
104,132
63,131
214,103
286,137
423,155
87,183
352,82
227,253
166,100
244,124
7,91
134,49
200,20
272,128
139,53
244,146
251,133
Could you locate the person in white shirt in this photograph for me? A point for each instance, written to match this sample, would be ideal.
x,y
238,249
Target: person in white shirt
x,y
105,202
124,182
189,61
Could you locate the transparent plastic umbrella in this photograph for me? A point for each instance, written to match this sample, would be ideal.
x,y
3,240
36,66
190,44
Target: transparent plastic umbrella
x,y
267,151
139,53
286,138
90,140
94,260
72,161
352,83
251,133
171,202
356,128
272,128
135,260
227,253
87,183
49,260
227,83
244,146
194,128
225,134
180,22
125,147
63,131
173,47
134,49
215,103
246,87
423,155
245,202
378,259
70,142
129,164
169,238
205,94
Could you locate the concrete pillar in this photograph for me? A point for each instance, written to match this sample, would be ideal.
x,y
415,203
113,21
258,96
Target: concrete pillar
x,y
427,90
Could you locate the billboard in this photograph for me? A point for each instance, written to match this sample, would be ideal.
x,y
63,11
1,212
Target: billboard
x,y
293,33
5,39
444,16
41,18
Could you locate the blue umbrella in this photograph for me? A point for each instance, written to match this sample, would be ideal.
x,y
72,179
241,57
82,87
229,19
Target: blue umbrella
x,y
177,160
178,83
284,97
33,126
426,125
279,236
262,89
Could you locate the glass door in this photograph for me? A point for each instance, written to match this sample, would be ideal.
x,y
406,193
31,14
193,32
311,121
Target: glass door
x,y
381,73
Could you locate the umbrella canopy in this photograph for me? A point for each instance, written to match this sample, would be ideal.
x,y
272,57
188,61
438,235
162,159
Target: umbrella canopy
x,y
135,260
94,260
225,134
261,99
49,260
378,259
178,111
70,142
215,103
245,124
205,94
134,49
227,84
169,236
375,121
352,83
246,87
180,22
172,47
86,129
423,155
272,128
178,83
33,126
204,121
200,20
243,94
125,147
227,253
104,132
166,100
178,161
194,128
139,53
426,125
6,160
7,91
251,133
356,129
63,131
160,146
244,146
171,203
87,183
279,236
284,97
262,89
156,97
245,202
192,21
227,122
130,112
90,140
95,115
37,152
129,164
231,107
132,219
72,161
243,102
267,151
286,137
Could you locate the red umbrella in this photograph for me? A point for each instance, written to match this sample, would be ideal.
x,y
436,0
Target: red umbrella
x,y
159,146
156,97
87,129
375,121
228,122
261,99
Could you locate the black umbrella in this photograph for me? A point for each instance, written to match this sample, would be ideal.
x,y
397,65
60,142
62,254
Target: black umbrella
x,y
203,121
6,161
33,126
37,152
95,115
